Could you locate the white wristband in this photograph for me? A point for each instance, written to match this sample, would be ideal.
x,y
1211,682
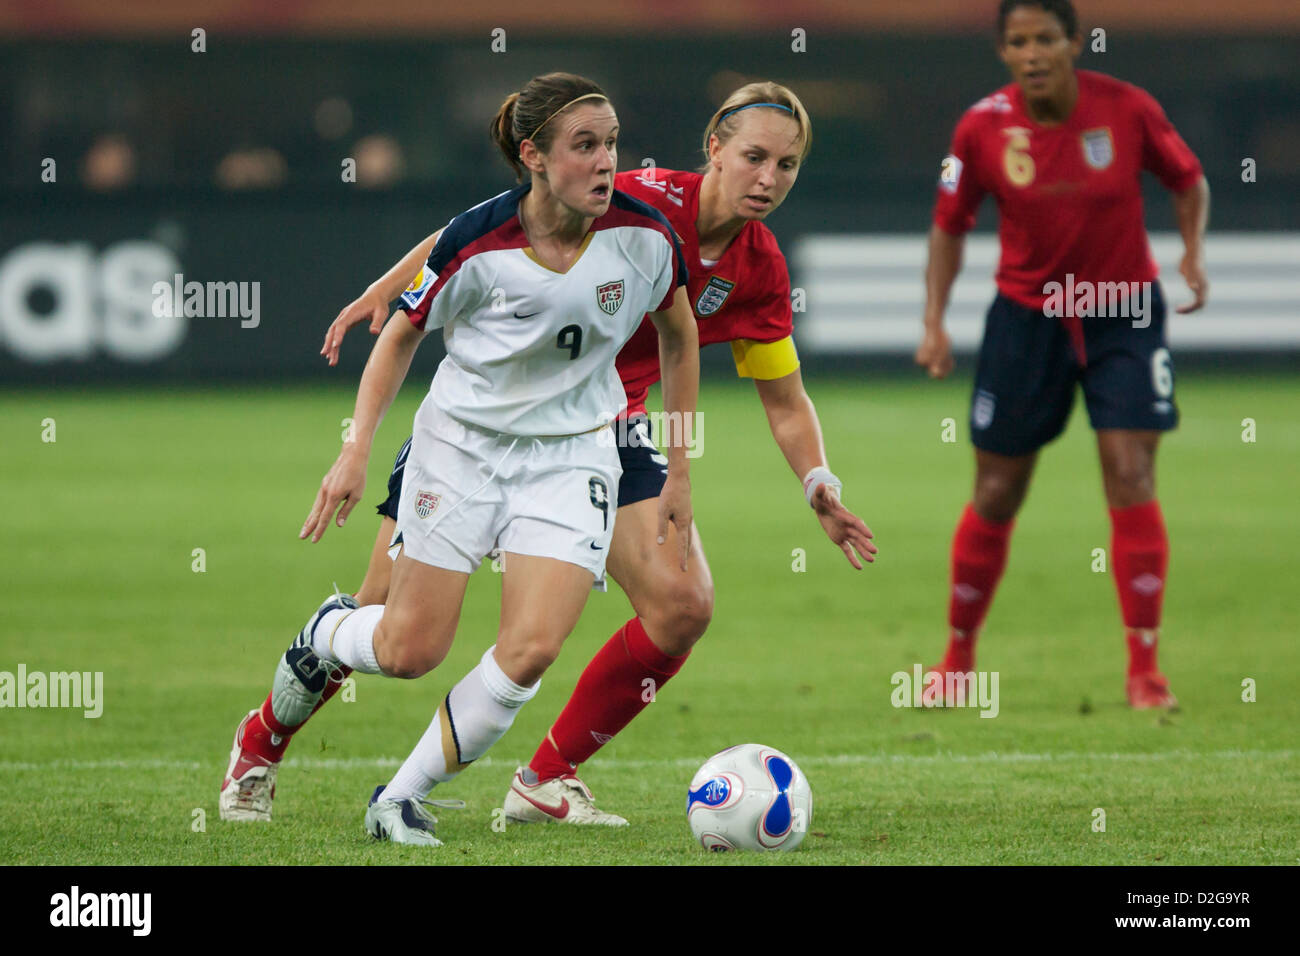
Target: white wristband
x,y
817,477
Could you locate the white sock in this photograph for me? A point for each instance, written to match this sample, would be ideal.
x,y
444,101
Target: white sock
x,y
475,715
348,637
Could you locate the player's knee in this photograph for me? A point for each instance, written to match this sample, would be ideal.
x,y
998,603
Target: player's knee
x,y
525,658
1129,483
998,497
680,616
407,652
412,662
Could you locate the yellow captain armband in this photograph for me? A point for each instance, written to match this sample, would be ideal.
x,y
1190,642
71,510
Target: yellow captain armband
x,y
765,360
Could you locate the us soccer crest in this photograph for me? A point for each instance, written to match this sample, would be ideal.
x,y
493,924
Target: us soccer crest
x,y
714,294
1098,147
610,296
426,503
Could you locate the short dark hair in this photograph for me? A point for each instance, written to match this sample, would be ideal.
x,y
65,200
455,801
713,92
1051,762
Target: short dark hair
x,y
1063,10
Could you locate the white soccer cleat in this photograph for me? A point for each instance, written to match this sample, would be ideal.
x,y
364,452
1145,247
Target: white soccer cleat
x,y
400,821
559,800
301,676
249,786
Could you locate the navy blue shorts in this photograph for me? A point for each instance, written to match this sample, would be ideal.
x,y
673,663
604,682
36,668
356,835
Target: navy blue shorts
x,y
1028,369
389,508
644,469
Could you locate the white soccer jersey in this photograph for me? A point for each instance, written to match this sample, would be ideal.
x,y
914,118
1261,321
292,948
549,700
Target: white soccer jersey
x,y
530,351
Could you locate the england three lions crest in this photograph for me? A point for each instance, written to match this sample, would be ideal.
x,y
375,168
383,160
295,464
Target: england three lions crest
x,y
426,503
714,294
1098,147
610,296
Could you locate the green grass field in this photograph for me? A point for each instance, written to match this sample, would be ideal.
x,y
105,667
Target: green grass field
x,y
99,529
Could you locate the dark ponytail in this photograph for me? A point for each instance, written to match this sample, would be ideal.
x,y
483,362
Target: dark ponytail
x,y
528,113
501,125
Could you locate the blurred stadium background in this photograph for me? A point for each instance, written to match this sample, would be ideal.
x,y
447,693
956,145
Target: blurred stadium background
x,y
225,165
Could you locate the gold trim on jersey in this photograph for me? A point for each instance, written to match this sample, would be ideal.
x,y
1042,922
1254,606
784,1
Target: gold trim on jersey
x,y
528,251
765,360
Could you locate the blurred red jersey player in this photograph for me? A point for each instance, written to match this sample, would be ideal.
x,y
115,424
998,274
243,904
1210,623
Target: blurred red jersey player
x,y
1062,152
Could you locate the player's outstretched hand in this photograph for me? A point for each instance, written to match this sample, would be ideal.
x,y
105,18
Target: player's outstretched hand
x,y
341,486
843,527
675,506
1193,270
934,354
370,306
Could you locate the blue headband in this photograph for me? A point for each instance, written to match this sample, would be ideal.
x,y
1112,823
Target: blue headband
x,y
751,106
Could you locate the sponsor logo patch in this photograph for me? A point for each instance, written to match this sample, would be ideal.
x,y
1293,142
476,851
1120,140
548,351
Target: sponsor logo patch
x,y
426,503
1147,584
1098,147
713,296
419,285
610,296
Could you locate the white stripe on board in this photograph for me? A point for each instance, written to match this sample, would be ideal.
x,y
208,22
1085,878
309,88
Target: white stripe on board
x,y
865,293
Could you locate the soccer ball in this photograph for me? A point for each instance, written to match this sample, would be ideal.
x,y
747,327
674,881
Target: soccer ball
x,y
749,797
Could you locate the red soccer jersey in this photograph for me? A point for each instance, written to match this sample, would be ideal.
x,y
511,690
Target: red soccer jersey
x,y
745,295
1069,198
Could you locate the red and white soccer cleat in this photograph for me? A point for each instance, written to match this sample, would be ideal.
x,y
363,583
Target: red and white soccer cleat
x,y
1149,690
249,787
559,800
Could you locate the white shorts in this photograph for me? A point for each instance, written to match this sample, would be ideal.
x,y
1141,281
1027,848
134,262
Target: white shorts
x,y
468,492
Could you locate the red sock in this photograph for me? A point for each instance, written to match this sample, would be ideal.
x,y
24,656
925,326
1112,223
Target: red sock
x,y
268,738
1141,651
979,555
1139,558
611,691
